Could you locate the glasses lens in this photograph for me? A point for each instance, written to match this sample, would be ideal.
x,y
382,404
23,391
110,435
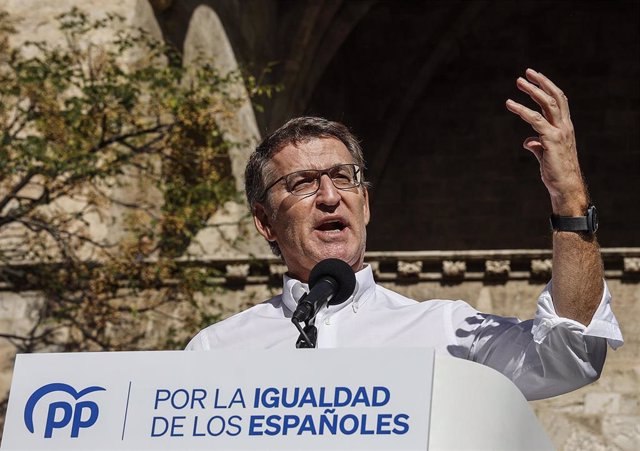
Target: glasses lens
x,y
302,182
343,176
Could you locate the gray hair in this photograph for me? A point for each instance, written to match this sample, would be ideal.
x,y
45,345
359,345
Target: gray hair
x,y
295,131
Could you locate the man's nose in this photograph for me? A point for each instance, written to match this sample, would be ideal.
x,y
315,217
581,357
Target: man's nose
x,y
327,192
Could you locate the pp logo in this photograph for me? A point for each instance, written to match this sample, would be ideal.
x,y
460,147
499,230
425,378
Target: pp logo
x,y
81,414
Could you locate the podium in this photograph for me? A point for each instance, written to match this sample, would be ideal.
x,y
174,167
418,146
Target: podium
x,y
316,399
475,407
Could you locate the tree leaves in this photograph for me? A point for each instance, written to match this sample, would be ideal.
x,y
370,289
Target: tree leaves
x,y
109,135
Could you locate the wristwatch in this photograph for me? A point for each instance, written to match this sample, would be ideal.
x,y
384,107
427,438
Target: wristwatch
x,y
588,223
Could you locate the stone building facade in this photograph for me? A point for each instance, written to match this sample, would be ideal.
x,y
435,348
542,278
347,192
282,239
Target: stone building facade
x,y
458,208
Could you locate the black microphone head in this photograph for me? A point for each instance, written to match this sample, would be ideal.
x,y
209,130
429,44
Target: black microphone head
x,y
341,272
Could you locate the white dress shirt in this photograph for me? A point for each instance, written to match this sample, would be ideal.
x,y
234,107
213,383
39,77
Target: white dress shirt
x,y
544,357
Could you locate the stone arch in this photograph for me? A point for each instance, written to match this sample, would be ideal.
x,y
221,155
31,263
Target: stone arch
x,y
299,37
205,38
322,27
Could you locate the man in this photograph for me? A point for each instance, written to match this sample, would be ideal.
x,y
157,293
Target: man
x,y
305,187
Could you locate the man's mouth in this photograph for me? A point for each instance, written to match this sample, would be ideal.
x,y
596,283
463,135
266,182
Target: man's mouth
x,y
332,226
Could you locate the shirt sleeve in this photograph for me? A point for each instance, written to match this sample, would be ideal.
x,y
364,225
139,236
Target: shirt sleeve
x,y
200,342
603,324
546,356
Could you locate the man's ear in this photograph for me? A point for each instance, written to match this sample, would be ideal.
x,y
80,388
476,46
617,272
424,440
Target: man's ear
x,y
262,222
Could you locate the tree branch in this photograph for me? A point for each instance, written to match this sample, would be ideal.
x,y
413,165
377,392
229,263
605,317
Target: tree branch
x,y
15,190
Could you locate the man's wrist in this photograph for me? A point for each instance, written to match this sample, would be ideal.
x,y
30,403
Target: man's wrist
x,y
586,223
570,205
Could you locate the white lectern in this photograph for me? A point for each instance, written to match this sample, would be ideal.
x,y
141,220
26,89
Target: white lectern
x,y
322,399
474,407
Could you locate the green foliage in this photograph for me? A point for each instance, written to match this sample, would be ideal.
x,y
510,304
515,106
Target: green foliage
x,y
114,134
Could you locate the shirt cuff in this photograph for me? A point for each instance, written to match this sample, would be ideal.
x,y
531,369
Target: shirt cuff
x,y
603,324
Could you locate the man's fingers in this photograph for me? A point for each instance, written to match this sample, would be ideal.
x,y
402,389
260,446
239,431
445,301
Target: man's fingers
x,y
549,104
534,145
531,141
551,89
533,118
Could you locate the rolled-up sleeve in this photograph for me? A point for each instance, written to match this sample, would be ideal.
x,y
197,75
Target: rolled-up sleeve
x,y
546,356
603,324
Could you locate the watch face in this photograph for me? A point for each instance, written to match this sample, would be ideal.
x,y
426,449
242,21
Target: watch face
x,y
592,219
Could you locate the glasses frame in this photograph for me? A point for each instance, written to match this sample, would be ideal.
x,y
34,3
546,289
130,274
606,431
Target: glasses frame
x,y
357,169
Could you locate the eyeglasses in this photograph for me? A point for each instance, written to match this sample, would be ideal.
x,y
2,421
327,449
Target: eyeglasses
x,y
307,182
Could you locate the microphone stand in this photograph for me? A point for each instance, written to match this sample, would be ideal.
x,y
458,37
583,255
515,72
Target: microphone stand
x,y
308,337
309,334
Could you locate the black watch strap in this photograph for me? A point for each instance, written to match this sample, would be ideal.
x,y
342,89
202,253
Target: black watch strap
x,y
587,223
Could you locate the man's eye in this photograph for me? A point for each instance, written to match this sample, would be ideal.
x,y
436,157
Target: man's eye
x,y
300,181
343,175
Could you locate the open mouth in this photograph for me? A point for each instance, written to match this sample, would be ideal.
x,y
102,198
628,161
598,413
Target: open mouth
x,y
332,226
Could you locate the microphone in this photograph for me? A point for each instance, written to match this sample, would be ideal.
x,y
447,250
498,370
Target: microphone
x,y
331,281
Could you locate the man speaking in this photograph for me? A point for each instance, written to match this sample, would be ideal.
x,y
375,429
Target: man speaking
x,y
309,200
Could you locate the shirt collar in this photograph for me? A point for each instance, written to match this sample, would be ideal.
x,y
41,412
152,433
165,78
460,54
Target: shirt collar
x,y
293,290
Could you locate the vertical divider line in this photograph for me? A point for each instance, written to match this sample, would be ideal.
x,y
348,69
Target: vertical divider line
x,y
126,411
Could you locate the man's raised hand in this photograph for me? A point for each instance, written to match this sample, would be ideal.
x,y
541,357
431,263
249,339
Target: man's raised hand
x,y
555,145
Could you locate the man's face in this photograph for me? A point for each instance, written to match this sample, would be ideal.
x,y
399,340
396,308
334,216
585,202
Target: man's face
x,y
328,224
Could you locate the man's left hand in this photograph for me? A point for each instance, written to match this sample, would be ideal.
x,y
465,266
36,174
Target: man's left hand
x,y
555,145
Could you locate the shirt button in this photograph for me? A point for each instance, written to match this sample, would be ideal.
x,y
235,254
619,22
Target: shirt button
x,y
327,321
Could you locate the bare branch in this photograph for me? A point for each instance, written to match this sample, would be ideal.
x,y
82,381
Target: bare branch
x,y
122,139
15,190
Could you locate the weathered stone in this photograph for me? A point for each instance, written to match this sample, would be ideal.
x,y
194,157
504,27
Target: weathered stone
x,y
13,306
409,269
629,404
581,439
161,5
601,403
556,425
632,264
453,268
235,272
622,431
229,233
541,268
484,302
497,267
277,269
